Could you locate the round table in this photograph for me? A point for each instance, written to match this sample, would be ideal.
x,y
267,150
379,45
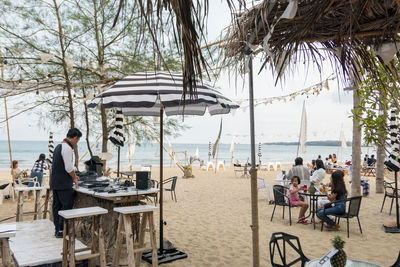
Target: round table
x,y
313,203
349,263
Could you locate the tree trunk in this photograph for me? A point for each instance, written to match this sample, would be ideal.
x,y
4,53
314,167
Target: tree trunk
x,y
381,154
356,148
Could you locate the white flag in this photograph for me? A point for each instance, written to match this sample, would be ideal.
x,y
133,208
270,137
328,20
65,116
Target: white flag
x,y
303,129
44,57
232,144
343,139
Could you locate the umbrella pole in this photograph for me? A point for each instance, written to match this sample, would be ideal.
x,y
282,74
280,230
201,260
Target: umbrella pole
x,y
161,178
119,154
397,200
253,174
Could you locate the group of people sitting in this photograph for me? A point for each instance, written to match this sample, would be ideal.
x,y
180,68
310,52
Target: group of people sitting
x,y
369,161
334,203
37,170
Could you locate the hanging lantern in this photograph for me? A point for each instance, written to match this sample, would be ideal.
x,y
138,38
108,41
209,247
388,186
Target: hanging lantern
x,y
5,63
20,82
62,100
48,76
74,96
37,93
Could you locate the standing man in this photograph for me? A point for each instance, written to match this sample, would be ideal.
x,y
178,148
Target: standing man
x,y
62,177
300,171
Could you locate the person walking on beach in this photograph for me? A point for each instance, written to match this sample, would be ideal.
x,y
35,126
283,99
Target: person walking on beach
x,y
299,170
63,176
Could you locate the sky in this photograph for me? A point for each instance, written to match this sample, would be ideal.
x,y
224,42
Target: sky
x,y
277,122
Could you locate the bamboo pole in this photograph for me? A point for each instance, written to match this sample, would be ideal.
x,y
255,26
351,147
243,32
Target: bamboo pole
x,y
5,107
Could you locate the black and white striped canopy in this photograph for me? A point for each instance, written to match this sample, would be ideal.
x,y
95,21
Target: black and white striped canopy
x,y
141,94
117,136
393,161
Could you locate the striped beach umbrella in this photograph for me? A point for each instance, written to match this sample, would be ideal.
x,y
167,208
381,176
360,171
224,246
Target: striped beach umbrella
x,y
155,92
259,150
209,151
393,161
51,148
117,136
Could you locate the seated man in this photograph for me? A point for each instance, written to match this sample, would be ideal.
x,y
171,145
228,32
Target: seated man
x,y
300,171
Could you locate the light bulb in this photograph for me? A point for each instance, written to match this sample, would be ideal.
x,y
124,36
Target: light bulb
x,y
20,82
48,76
74,96
37,92
63,100
84,98
5,63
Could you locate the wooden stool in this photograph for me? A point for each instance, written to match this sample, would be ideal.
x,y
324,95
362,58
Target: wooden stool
x,y
7,231
70,216
38,209
135,249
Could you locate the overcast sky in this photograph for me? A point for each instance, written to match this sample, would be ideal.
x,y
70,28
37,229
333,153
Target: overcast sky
x,y
279,121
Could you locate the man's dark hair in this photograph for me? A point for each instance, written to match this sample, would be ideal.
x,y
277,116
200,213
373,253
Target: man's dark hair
x,y
298,161
372,156
74,132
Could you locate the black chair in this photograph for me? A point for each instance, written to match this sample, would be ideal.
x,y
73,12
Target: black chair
x,y
285,239
154,184
397,263
172,181
390,193
281,199
352,211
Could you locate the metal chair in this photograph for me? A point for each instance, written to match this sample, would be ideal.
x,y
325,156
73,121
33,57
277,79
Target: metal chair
x,y
390,193
261,184
286,239
352,211
171,180
281,199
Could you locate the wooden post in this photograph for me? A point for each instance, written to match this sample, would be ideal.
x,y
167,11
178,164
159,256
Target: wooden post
x,y
102,249
356,149
129,239
38,210
153,239
95,242
118,242
65,245
71,251
5,253
46,204
20,206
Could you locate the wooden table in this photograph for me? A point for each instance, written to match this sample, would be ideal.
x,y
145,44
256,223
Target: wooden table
x,y
34,243
88,198
38,209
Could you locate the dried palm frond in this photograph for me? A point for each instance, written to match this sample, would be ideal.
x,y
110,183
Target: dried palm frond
x,y
342,31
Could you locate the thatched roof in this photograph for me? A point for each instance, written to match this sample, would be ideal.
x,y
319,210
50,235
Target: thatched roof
x,y
342,30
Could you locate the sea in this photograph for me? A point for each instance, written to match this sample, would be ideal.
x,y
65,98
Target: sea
x,y
26,152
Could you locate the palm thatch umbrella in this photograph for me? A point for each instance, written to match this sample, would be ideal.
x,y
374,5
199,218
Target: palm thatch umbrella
x,y
153,93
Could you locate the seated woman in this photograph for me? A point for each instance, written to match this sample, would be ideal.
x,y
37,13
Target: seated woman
x,y
319,174
295,199
16,173
338,195
334,159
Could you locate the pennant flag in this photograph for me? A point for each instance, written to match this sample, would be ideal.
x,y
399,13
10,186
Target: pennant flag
x,y
44,57
303,129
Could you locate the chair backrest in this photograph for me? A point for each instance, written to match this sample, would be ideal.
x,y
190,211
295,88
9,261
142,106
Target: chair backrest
x,y
354,206
173,184
388,188
279,194
261,183
279,242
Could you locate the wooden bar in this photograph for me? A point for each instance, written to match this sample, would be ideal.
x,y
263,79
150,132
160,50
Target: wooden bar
x,y
102,249
118,242
20,206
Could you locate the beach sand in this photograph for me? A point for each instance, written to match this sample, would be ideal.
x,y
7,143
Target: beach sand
x,y
211,222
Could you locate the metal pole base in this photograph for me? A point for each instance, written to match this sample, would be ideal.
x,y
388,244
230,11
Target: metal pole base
x,y
165,256
391,229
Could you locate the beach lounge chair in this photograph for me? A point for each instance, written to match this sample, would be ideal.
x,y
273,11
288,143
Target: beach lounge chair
x,y
220,165
270,166
210,166
146,168
281,199
390,193
261,184
282,242
353,208
278,166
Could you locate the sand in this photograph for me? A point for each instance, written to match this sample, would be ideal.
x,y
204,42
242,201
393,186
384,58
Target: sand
x,y
211,222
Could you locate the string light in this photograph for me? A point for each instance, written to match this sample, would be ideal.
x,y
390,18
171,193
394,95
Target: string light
x,y
5,63
20,82
62,100
37,93
84,97
48,76
74,96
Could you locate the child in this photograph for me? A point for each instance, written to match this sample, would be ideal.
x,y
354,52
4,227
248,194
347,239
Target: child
x,y
295,199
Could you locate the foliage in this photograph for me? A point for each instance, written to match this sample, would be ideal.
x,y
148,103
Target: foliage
x,y
338,242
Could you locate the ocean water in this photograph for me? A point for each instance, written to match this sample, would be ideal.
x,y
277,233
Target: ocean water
x,y
26,152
